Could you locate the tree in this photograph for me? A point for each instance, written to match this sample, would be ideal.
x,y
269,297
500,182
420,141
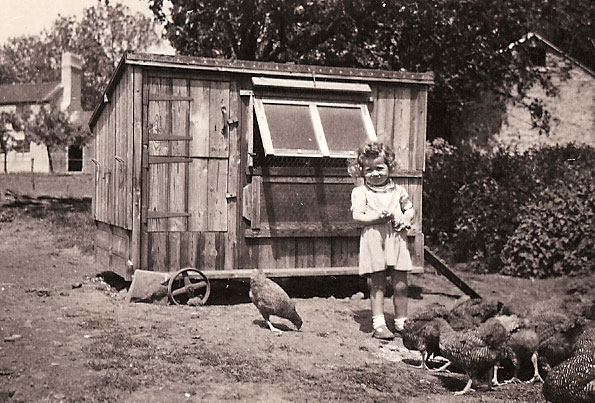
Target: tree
x,y
465,43
9,122
52,127
101,37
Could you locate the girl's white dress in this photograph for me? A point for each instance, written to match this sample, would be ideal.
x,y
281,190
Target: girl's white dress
x,y
380,245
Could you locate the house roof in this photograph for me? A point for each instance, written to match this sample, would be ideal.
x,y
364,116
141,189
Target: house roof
x,y
12,94
268,69
553,47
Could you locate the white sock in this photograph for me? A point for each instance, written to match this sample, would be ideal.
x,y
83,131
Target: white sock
x,y
378,321
400,323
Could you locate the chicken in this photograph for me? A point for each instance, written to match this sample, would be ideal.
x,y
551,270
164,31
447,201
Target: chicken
x,y
421,333
547,337
572,381
477,351
471,312
270,299
585,343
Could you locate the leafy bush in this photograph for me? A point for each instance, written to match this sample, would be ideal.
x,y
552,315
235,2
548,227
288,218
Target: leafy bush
x,y
474,203
555,235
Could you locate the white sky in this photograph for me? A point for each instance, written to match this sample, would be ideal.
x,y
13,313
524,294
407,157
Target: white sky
x,y
30,17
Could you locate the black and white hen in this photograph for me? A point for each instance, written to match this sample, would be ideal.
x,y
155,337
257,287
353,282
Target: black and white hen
x,y
271,300
572,381
477,351
421,333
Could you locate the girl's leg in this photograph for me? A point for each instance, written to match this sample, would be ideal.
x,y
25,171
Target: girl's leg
x,y
377,285
399,284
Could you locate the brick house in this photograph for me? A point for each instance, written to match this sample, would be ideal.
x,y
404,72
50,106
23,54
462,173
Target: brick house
x,y
572,109
67,95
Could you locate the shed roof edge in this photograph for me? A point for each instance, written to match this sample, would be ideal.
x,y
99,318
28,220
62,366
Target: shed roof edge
x,y
254,67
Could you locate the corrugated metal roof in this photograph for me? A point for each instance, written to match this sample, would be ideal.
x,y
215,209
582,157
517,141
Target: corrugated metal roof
x,y
11,94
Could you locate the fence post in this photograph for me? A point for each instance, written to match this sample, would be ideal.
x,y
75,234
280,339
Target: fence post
x,y
33,173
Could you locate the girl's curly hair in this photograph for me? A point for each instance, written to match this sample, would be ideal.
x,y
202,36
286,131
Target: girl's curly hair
x,y
371,150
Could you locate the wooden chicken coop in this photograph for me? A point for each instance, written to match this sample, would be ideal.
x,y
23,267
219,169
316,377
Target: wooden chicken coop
x,y
226,165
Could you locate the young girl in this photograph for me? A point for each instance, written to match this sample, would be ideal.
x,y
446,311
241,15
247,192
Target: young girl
x,y
386,212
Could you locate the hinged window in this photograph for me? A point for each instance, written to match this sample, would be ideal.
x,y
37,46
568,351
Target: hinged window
x,y
307,128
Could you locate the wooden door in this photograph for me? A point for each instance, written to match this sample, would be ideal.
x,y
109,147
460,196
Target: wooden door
x,y
186,153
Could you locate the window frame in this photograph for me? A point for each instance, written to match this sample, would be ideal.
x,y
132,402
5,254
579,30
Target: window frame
x,y
320,136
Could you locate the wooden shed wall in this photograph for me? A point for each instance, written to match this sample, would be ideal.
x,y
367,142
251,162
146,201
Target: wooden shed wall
x,y
191,171
398,112
112,206
194,168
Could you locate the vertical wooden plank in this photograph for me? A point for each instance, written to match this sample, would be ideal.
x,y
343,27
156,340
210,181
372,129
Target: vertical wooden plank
x,y
174,244
116,164
266,255
188,242
178,191
419,162
159,124
135,152
218,137
198,194
373,106
233,181
286,252
322,252
199,118
111,163
216,200
158,251
304,252
199,147
401,126
413,127
353,254
209,252
220,241
144,170
339,252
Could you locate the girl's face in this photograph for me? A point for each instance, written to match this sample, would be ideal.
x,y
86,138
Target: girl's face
x,y
376,171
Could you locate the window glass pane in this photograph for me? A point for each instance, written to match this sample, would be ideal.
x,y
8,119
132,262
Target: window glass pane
x,y
291,128
343,127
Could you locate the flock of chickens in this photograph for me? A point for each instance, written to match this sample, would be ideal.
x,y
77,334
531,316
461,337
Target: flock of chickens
x,y
479,336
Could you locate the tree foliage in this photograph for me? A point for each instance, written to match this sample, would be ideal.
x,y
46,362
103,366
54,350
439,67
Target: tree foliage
x,y
9,122
101,37
465,43
53,128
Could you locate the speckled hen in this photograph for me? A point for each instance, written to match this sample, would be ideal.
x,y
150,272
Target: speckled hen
x,y
476,351
572,381
422,334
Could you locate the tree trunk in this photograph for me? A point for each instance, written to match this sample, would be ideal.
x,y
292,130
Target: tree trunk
x,y
51,163
5,152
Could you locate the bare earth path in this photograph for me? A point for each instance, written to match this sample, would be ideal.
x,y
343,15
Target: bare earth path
x,y
66,336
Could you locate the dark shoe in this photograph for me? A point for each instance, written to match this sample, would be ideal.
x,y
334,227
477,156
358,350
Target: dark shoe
x,y
383,333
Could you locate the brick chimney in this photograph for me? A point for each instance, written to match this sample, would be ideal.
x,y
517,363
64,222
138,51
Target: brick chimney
x,y
71,82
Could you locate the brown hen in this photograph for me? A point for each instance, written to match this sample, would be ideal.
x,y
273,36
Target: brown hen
x,y
271,300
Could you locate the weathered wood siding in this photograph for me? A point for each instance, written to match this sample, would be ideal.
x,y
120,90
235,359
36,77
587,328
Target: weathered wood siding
x,y
306,222
114,162
191,179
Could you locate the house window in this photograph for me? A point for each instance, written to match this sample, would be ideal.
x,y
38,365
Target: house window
x,y
537,56
307,128
22,146
75,159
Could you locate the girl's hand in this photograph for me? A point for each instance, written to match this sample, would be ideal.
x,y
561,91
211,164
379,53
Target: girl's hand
x,y
400,226
386,216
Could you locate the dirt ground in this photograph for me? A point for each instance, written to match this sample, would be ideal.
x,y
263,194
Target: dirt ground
x,y
67,336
